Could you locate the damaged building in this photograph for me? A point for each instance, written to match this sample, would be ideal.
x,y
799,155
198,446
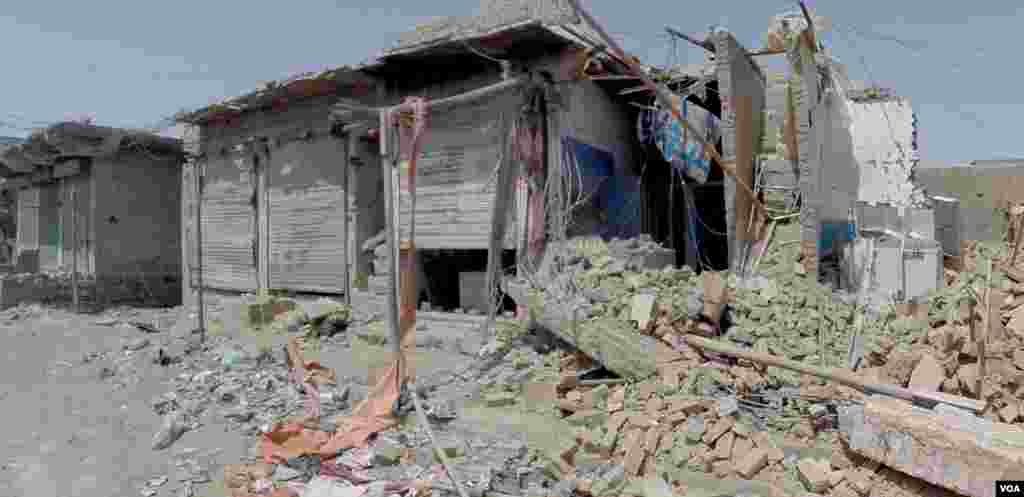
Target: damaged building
x,y
294,194
592,154
99,202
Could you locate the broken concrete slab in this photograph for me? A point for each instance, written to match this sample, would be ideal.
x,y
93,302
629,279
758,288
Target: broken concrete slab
x,y
957,451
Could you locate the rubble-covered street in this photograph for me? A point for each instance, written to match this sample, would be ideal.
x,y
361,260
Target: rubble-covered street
x,y
129,402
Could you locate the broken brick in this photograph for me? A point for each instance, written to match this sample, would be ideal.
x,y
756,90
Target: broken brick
x,y
835,477
653,440
740,447
723,447
646,390
588,417
654,406
845,489
718,429
928,374
635,453
669,375
689,407
500,399
860,480
574,396
642,421
615,422
968,376
813,474
568,405
675,419
595,397
540,394
617,399
568,381
1011,412
751,463
721,469
1018,358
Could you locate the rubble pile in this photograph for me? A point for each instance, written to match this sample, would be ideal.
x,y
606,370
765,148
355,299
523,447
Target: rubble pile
x,y
644,424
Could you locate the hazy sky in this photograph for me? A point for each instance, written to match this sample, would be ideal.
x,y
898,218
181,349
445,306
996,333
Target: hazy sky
x,y
131,63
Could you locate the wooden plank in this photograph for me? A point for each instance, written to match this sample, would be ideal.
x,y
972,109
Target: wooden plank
x,y
745,143
503,197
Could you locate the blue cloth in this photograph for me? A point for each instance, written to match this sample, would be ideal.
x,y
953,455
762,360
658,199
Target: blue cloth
x,y
832,233
668,137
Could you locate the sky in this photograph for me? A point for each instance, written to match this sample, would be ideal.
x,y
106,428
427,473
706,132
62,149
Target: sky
x,y
134,63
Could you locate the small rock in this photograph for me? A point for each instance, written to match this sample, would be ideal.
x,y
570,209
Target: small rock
x,y
752,463
386,454
928,375
136,344
728,406
814,475
284,473
695,428
500,399
172,429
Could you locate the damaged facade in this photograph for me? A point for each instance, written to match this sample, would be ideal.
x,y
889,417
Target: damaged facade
x,y
102,202
294,194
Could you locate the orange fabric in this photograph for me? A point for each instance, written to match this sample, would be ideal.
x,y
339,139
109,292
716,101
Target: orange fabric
x,y
290,441
373,415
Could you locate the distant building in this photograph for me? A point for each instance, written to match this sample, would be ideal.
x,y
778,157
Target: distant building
x,y
117,192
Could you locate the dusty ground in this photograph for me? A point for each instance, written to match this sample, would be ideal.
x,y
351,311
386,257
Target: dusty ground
x,y
78,407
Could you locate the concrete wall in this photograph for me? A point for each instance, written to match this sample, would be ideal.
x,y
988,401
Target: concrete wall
x,y
981,191
738,75
589,115
138,223
885,149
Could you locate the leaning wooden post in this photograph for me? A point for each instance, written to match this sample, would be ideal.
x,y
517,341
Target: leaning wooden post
x,y
197,171
983,338
74,247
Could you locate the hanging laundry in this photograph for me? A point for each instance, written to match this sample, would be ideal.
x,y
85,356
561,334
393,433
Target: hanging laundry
x,y
678,146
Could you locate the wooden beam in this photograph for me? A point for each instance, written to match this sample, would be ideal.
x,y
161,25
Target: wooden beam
x,y
745,123
702,44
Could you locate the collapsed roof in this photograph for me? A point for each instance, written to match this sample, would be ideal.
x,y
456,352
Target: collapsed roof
x,y
48,146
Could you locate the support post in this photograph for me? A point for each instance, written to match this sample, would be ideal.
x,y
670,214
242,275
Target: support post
x,y
345,148
390,176
74,247
200,175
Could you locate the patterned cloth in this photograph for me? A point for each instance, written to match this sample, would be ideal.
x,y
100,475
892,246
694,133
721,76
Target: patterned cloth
x,y
661,128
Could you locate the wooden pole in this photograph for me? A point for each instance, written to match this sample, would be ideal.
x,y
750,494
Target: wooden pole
x,y
346,170
838,375
74,247
983,338
664,97
389,175
198,169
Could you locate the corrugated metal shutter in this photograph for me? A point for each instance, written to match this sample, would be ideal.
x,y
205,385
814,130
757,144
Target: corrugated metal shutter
x,y
49,223
306,217
229,225
82,192
28,219
456,175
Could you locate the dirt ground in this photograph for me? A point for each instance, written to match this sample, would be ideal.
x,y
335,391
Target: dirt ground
x,y
78,407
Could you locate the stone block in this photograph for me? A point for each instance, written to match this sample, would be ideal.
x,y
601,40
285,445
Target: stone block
x,y
753,462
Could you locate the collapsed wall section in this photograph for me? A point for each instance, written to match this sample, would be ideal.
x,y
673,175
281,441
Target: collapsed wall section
x,y
739,78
